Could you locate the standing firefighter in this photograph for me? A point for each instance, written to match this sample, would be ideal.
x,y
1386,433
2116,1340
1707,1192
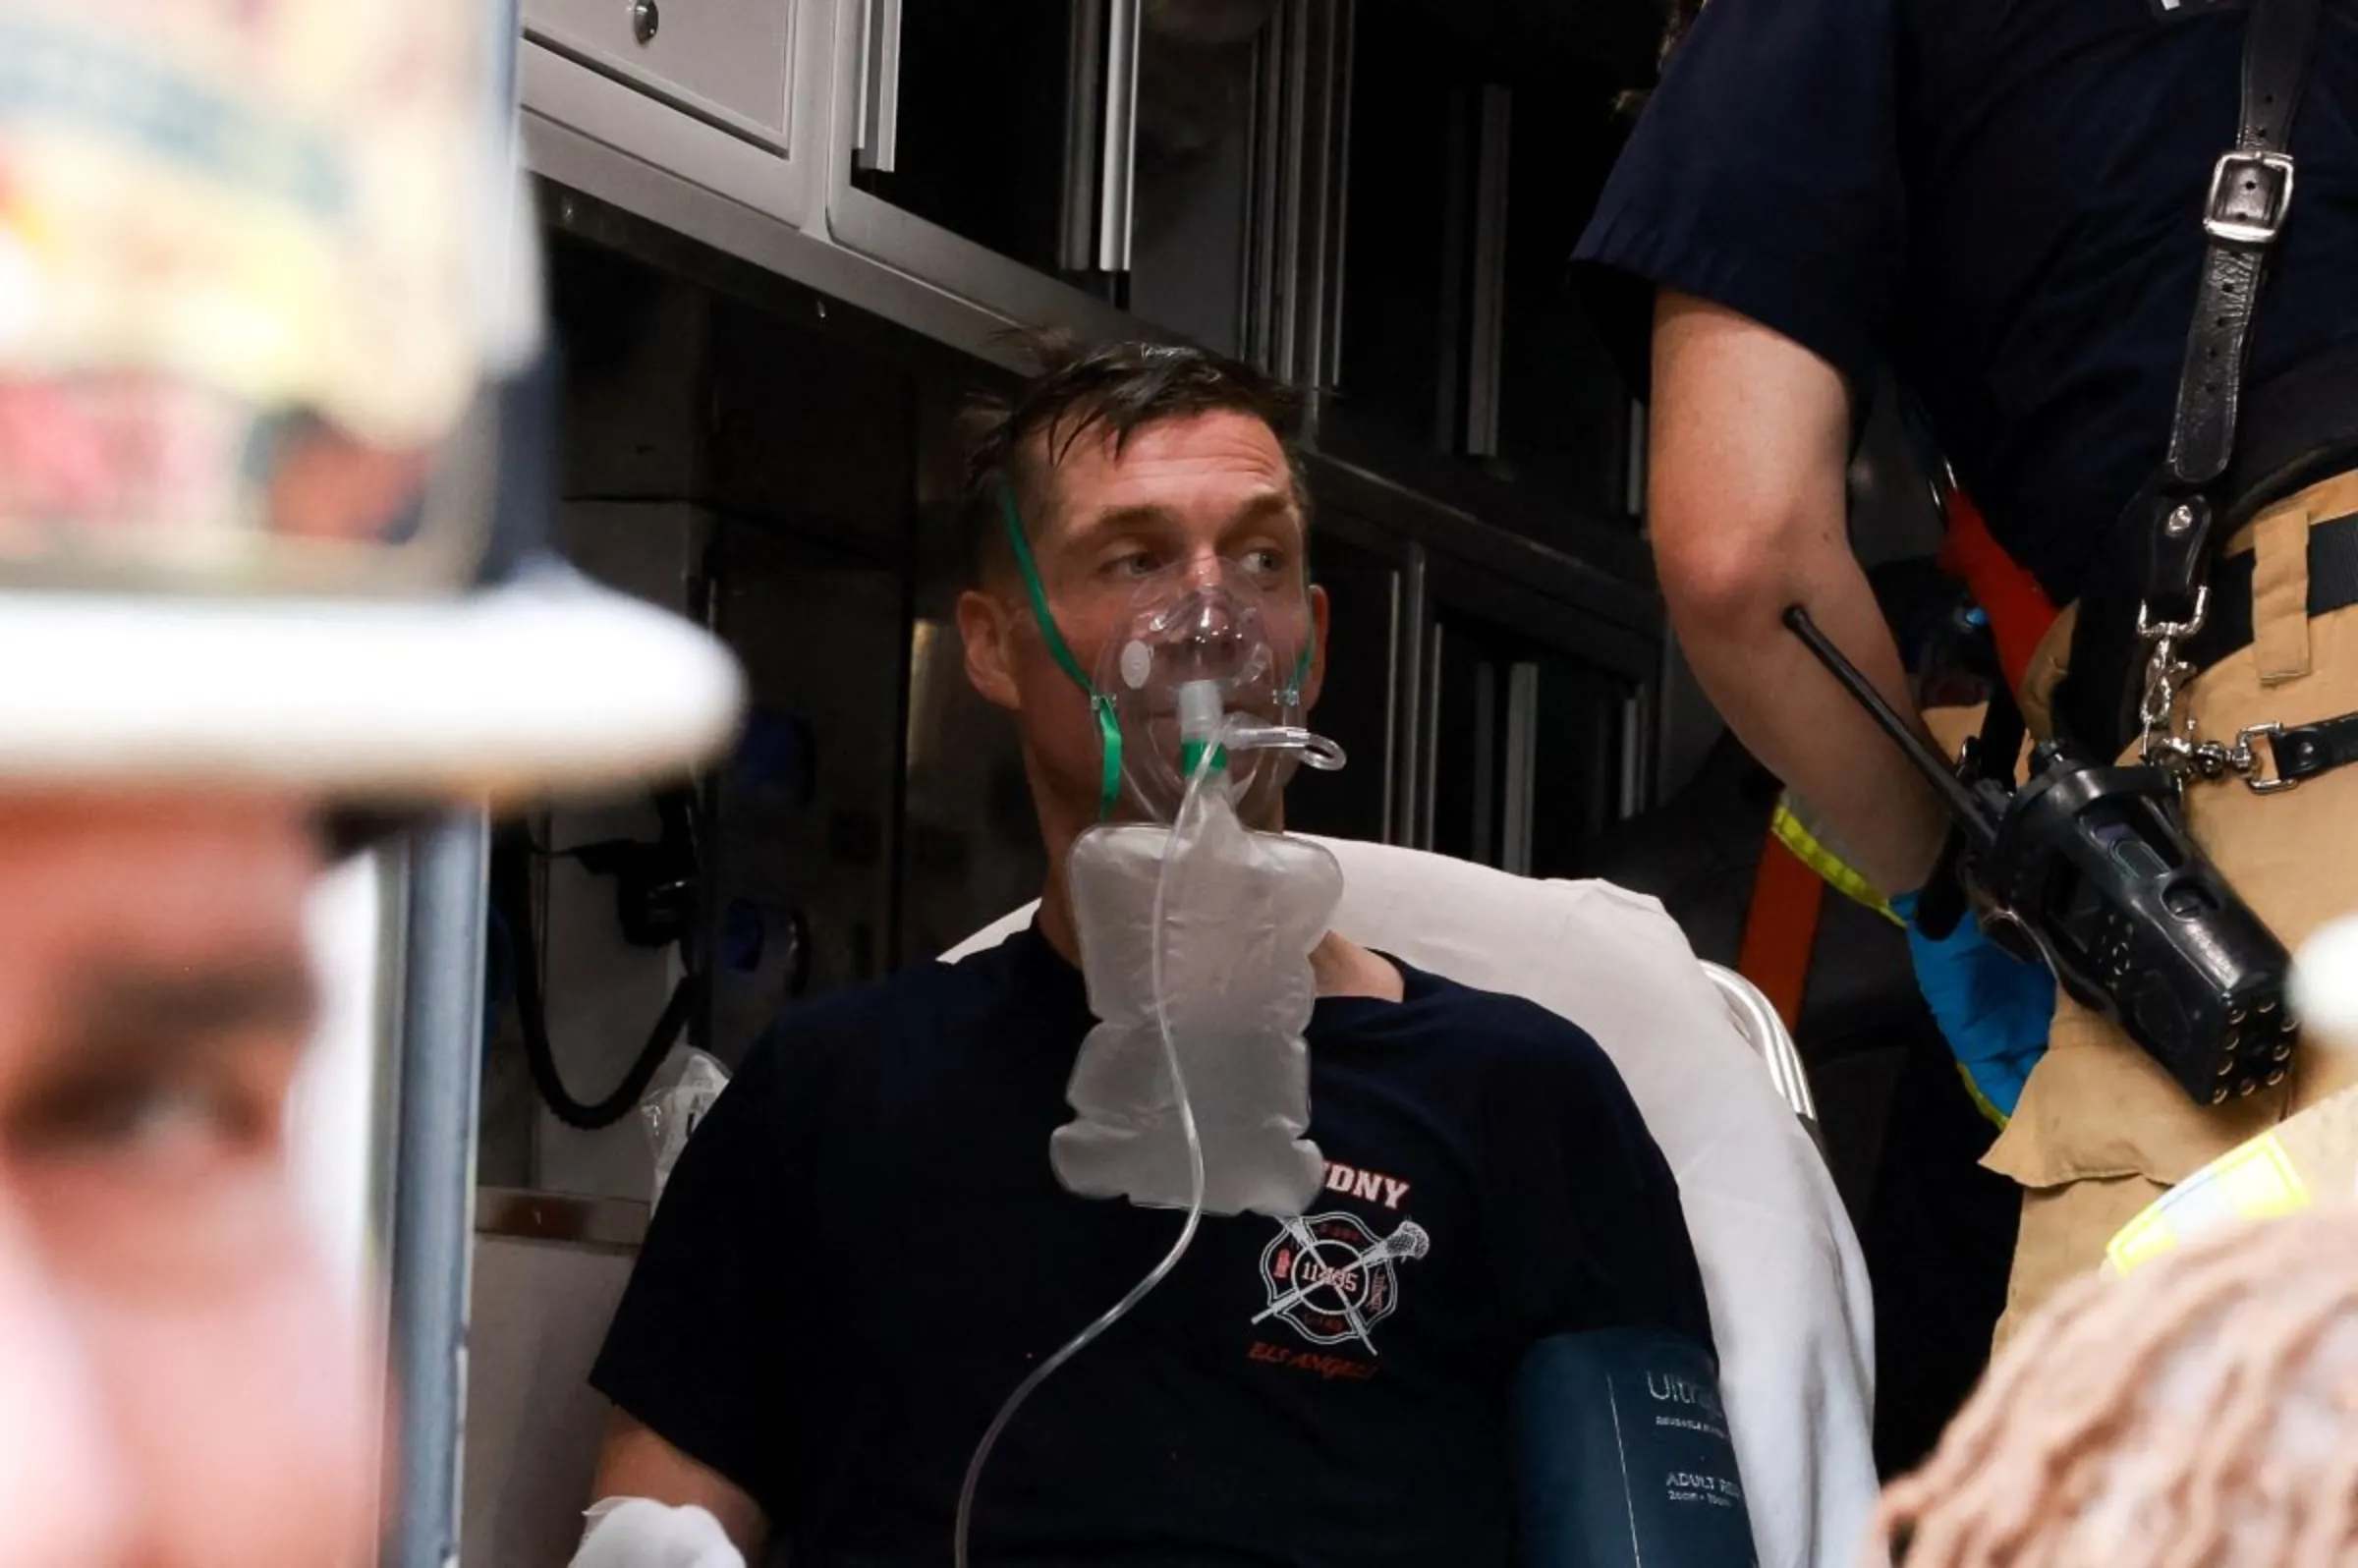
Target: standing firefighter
x,y
2021,209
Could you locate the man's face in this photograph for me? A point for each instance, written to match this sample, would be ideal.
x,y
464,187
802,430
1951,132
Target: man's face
x,y
1181,495
178,1385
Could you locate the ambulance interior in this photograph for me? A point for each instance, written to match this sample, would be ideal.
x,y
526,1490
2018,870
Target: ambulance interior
x,y
781,251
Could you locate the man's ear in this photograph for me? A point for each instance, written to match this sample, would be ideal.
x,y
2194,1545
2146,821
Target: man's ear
x,y
985,626
1320,606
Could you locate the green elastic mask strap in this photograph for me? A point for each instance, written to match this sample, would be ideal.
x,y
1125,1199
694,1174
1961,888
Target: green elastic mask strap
x,y
1109,729
1309,625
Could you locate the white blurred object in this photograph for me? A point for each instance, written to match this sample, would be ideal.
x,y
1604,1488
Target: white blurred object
x,y
2325,985
639,1533
333,1135
547,684
674,1113
339,1139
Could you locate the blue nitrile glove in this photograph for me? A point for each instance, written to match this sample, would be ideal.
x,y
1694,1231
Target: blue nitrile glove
x,y
1994,1009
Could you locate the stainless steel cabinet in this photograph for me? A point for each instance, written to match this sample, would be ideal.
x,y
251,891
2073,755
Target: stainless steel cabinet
x,y
1477,154
1416,97
1534,744
1091,164
1555,413
1181,223
1114,168
726,61
1363,703
728,95
1505,685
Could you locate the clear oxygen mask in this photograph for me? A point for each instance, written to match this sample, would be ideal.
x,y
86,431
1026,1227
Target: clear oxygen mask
x,y
1203,647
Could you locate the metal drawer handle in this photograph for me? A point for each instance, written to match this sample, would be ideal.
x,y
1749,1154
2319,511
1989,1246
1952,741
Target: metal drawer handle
x,y
876,136
646,18
1118,179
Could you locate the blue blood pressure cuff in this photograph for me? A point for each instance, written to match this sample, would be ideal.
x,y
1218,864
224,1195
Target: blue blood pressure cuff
x,y
1623,1455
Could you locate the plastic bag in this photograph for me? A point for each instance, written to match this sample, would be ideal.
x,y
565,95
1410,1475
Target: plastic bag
x,y
674,1113
1240,913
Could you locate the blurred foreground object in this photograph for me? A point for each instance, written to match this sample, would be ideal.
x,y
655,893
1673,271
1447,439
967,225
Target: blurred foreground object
x,y
271,407
273,443
2326,984
2205,1411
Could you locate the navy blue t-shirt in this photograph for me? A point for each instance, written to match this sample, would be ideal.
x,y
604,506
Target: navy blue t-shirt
x,y
2000,198
863,1249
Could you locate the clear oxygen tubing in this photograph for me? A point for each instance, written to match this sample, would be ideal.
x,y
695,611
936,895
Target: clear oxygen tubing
x,y
1206,764
1236,732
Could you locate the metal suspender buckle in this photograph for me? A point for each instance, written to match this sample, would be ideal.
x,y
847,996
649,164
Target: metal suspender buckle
x,y
2255,776
2250,193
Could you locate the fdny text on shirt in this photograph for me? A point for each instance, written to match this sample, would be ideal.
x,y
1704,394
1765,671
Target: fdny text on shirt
x,y
1371,1184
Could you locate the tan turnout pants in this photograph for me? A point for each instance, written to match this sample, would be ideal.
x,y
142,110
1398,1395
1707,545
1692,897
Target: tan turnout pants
x,y
2102,1130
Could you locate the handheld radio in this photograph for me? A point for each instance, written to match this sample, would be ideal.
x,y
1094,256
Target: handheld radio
x,y
2090,866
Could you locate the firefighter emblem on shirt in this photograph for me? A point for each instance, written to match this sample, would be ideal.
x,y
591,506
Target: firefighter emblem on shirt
x,y
1334,1279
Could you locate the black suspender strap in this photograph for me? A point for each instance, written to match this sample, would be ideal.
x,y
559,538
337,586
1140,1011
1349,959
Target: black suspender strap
x,y
2245,211
2250,193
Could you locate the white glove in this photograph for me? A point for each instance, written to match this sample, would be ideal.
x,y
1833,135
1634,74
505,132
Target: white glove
x,y
636,1533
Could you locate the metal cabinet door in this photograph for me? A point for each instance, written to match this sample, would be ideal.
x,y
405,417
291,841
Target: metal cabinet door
x,y
1535,722
729,96
1534,748
1474,167
1359,701
966,150
1092,164
726,61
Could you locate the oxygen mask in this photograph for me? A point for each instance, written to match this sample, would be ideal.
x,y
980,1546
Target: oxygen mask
x,y
1204,667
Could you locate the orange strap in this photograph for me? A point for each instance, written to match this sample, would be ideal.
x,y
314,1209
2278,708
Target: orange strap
x,y
2018,608
1780,930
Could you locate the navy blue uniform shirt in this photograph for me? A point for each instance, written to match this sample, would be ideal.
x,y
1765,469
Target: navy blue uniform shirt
x,y
863,1249
2003,201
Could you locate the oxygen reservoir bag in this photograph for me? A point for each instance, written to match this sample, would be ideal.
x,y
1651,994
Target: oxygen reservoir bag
x,y
1241,910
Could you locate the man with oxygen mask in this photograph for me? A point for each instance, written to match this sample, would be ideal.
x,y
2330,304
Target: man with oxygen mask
x,y
1200,932
1179,1228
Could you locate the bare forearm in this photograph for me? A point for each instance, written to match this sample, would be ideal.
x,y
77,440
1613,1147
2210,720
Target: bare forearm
x,y
1793,717
1751,436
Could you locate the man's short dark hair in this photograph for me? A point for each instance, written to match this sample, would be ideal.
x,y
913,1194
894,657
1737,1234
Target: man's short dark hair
x,y
1014,443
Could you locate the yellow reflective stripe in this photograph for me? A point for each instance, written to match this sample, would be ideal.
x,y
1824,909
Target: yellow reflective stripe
x,y
1982,1102
2251,1182
1792,832
2140,1241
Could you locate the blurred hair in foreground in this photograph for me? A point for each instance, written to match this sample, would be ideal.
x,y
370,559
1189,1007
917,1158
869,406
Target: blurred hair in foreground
x,y
2202,1412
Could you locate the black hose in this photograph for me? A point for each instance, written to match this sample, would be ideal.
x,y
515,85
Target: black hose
x,y
512,887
